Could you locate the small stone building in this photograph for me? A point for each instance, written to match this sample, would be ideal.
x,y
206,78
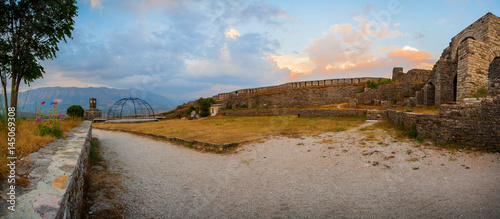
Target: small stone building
x,y
92,113
215,108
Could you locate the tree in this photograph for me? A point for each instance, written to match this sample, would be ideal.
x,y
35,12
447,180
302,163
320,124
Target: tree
x,y
75,111
29,33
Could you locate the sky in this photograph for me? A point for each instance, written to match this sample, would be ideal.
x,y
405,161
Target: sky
x,y
186,49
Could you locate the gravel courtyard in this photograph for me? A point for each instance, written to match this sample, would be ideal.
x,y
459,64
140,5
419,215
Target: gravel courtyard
x,y
342,174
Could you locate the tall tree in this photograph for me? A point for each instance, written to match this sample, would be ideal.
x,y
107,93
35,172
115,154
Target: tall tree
x,y
29,33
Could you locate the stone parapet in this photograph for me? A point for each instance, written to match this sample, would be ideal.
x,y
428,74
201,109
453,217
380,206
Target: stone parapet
x,y
56,175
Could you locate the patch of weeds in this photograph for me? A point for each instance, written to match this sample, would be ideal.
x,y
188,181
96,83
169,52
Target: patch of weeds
x,y
189,144
94,155
331,148
247,162
380,143
415,168
300,144
413,131
345,151
452,159
387,166
409,152
375,163
409,110
420,139
414,159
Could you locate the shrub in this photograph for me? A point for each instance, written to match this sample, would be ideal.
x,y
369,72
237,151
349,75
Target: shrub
x,y
243,106
375,84
190,109
75,111
205,106
204,114
413,131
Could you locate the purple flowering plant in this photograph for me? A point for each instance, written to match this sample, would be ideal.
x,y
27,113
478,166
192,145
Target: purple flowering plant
x,y
52,124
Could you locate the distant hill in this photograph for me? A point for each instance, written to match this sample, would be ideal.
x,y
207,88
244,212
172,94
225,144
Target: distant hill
x,y
106,97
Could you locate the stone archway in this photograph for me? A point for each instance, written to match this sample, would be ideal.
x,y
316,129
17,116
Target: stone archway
x,y
469,34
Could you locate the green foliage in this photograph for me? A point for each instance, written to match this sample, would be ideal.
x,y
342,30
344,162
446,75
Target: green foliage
x,y
94,155
29,33
55,131
190,109
230,106
51,127
481,93
75,111
243,106
360,91
413,131
168,113
204,113
205,106
375,84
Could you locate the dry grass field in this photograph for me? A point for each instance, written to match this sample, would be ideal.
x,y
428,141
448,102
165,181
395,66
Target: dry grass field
x,y
234,129
27,141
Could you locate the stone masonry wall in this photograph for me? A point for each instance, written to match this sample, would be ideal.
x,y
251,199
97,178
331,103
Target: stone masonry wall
x,y
297,97
301,112
445,71
56,177
299,84
412,76
474,124
474,58
494,78
390,92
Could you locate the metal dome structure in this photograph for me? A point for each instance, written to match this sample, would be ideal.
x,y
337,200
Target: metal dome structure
x,y
130,107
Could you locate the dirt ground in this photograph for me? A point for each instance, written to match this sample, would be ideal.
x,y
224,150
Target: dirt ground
x,y
345,174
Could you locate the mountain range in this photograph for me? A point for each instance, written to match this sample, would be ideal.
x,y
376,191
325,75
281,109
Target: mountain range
x,y
68,96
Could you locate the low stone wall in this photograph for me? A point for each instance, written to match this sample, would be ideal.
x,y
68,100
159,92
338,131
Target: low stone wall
x,y
301,112
56,177
388,92
194,143
467,124
376,114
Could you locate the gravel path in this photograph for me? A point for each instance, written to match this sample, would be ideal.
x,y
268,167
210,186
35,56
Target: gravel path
x,y
331,175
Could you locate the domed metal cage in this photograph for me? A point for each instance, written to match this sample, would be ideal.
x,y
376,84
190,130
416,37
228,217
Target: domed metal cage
x,y
131,107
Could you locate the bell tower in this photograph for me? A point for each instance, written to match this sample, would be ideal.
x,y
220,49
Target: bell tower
x,y
92,102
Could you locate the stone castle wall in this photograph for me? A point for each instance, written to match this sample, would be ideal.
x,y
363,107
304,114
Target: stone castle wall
x,y
291,85
388,92
411,77
297,97
494,78
474,124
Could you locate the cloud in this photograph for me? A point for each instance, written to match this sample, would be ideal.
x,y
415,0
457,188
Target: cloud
x,y
296,65
232,33
346,50
97,4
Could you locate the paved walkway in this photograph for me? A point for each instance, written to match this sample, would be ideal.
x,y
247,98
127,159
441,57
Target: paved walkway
x,y
332,175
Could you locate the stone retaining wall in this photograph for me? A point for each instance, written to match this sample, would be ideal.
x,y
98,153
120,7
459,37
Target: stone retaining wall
x,y
468,124
194,143
301,112
56,175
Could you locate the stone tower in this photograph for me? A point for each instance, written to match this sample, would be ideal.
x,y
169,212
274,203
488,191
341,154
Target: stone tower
x,y
92,102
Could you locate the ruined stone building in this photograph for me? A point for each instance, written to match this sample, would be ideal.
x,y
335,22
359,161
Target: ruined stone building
x,y
463,66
